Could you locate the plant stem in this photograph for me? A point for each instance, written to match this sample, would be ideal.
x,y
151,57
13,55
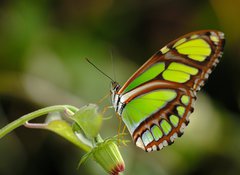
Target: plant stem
x,y
22,120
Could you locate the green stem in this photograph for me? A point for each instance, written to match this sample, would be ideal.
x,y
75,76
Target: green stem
x,y
22,120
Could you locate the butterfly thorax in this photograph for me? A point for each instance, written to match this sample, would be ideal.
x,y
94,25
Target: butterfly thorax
x,y
118,106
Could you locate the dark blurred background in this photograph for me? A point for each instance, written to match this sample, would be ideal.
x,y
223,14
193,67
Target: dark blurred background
x,y
43,46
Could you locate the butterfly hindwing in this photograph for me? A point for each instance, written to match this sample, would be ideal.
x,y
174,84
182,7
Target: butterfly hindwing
x,y
158,116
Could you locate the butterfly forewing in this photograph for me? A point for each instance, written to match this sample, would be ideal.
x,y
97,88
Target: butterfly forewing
x,y
187,60
158,99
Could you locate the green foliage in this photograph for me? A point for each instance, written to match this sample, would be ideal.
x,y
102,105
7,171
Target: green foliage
x,y
89,120
63,129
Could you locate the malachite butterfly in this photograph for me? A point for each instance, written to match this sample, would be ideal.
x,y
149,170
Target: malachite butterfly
x,y
156,101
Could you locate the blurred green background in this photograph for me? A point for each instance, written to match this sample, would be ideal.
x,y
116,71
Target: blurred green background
x,y
43,46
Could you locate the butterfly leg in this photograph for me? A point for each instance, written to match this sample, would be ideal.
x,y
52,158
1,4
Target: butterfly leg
x,y
119,128
103,98
105,109
121,131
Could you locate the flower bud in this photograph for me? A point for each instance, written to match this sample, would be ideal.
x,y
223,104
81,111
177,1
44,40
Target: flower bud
x,y
108,156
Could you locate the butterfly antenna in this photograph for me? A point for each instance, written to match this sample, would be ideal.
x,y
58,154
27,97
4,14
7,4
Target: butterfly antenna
x,y
99,69
113,65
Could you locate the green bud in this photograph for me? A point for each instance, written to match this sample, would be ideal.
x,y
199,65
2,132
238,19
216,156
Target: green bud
x,y
108,156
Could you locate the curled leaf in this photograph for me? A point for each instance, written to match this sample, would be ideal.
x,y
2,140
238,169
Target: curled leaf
x,y
89,120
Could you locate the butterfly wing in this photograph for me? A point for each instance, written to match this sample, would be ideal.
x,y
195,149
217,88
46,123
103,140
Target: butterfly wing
x,y
159,97
195,54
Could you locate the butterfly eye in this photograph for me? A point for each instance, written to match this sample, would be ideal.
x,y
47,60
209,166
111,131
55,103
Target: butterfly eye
x,y
114,86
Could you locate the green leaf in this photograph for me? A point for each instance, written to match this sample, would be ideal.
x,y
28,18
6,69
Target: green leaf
x,y
89,120
63,129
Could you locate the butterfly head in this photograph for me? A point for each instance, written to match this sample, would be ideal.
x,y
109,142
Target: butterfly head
x,y
114,87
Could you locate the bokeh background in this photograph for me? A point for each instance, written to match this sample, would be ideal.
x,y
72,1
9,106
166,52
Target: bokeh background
x,y
43,46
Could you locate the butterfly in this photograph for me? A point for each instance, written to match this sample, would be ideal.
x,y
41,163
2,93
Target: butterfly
x,y
156,101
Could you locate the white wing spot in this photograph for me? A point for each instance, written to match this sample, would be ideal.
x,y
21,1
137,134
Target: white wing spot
x,y
154,147
160,146
165,143
139,143
149,149
182,127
